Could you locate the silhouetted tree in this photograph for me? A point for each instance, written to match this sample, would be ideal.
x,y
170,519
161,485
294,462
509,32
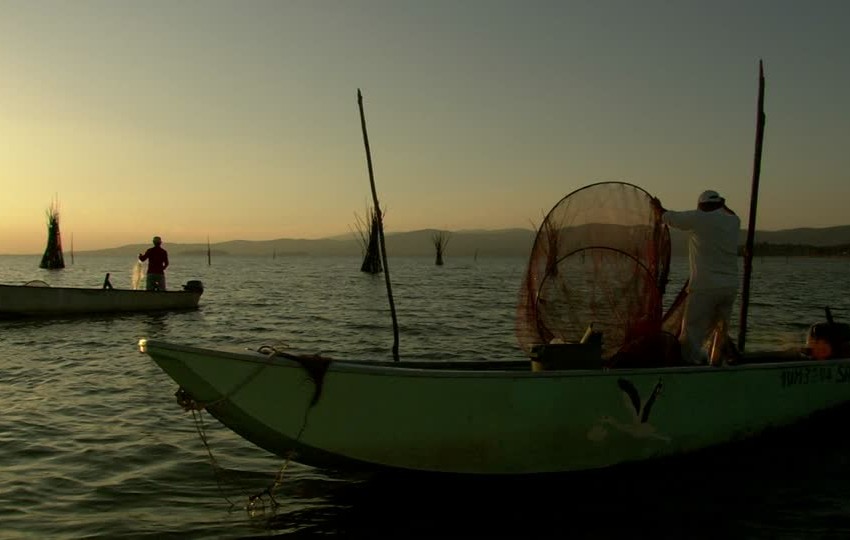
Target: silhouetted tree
x,y
441,240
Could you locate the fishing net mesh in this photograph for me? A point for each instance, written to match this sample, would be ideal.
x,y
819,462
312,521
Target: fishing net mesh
x,y
601,257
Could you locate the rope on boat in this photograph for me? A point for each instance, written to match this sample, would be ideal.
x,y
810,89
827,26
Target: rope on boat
x,y
253,500
315,365
255,504
278,480
200,427
189,403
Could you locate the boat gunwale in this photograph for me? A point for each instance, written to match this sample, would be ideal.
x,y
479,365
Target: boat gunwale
x,y
114,290
476,368
21,302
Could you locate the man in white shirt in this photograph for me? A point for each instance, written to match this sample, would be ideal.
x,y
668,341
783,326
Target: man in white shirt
x,y
713,279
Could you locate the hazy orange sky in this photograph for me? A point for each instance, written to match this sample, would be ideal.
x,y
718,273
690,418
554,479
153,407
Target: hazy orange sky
x,y
239,120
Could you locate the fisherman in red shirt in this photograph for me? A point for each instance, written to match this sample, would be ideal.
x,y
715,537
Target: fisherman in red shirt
x,y
157,259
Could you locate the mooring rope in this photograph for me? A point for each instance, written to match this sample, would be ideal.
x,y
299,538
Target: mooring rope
x,y
269,351
197,416
188,403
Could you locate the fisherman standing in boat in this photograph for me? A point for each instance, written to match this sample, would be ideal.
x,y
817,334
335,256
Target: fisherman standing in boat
x,y
157,259
713,278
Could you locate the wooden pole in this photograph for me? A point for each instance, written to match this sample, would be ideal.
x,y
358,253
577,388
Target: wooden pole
x,y
380,224
751,227
209,252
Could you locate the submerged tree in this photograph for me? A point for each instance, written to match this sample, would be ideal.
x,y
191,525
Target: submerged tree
x,y
367,231
53,258
441,240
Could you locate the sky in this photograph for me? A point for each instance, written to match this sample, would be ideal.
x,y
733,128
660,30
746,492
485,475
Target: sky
x,y
239,120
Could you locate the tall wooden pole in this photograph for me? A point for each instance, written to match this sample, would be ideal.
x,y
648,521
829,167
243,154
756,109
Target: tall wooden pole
x,y
751,227
380,224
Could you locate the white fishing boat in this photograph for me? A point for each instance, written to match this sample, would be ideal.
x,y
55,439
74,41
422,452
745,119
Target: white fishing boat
x,y
38,299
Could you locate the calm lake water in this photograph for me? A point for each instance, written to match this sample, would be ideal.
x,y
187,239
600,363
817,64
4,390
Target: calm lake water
x,y
94,445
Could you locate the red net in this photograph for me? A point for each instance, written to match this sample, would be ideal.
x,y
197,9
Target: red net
x,y
601,257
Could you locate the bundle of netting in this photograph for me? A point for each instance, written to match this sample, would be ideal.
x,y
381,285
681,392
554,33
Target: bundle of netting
x,y
368,235
600,259
53,258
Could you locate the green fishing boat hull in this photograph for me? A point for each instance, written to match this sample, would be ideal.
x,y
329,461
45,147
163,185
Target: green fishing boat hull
x,y
497,418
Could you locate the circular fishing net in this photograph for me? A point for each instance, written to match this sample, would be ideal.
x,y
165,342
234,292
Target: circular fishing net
x,y
601,258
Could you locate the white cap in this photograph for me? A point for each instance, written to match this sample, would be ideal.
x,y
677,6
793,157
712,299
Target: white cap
x,y
710,196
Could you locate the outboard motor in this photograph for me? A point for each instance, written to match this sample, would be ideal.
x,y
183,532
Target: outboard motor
x,y
194,286
829,339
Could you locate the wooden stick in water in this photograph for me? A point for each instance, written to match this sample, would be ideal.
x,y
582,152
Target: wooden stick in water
x,y
751,227
380,223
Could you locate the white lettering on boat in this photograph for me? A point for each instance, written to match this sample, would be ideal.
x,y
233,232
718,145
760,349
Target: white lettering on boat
x,y
814,375
843,374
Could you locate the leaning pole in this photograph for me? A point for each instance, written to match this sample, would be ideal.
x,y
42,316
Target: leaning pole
x,y
751,226
380,224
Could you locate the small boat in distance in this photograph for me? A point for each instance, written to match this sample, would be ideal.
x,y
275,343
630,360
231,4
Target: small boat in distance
x,y
38,299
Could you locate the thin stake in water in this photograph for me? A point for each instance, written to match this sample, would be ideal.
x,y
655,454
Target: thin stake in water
x,y
380,224
751,227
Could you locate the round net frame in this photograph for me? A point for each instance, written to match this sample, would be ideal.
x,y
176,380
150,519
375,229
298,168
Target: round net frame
x,y
601,257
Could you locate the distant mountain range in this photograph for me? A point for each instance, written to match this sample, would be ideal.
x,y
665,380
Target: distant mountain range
x,y
482,243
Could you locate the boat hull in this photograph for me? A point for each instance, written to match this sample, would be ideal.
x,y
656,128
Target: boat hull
x,y
508,420
34,301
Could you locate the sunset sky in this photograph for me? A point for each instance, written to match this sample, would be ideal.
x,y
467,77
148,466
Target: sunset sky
x,y
239,120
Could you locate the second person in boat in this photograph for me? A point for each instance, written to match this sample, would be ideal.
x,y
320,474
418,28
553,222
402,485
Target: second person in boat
x,y
713,276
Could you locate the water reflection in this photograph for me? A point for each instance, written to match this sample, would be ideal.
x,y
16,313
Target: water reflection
x,y
155,324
